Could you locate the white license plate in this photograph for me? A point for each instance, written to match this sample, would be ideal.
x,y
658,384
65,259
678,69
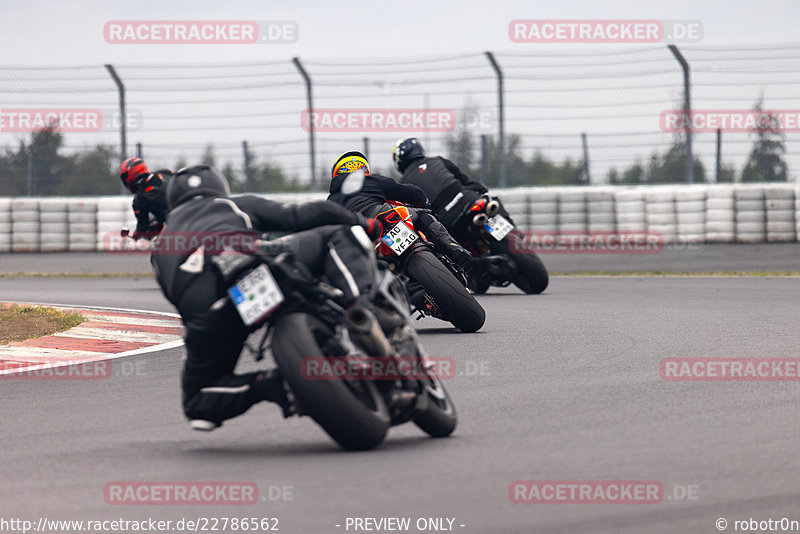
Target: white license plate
x,y
399,238
499,227
256,295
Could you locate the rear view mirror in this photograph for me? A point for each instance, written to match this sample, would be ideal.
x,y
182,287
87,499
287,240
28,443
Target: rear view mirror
x,y
353,182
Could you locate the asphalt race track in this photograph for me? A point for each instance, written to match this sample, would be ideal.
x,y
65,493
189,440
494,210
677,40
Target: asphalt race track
x,y
562,386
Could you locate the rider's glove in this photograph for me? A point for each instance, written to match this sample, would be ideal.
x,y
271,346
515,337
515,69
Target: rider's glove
x,y
425,205
477,187
143,235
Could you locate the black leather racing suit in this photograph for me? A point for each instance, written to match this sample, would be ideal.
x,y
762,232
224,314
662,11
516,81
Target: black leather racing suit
x,y
371,200
215,334
150,204
450,190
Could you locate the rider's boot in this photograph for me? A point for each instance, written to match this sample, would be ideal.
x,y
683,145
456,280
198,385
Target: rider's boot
x,y
268,385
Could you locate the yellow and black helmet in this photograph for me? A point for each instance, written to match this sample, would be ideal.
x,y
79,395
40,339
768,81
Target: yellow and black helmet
x,y
349,162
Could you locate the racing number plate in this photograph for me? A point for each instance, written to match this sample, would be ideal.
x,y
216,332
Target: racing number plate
x,y
399,238
499,227
256,295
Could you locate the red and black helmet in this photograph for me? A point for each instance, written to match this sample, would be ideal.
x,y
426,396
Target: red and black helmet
x,y
130,170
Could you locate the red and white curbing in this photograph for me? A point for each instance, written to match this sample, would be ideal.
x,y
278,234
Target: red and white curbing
x,y
105,334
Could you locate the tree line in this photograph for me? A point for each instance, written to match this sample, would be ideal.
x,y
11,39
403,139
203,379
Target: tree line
x,y
40,167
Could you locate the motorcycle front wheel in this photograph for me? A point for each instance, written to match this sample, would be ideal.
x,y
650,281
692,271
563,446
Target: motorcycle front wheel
x,y
439,419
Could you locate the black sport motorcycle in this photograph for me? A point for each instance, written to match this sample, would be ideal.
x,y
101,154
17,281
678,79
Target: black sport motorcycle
x,y
492,236
307,333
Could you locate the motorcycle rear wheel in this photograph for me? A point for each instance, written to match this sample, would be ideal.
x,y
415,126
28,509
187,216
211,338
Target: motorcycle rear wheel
x,y
353,413
530,273
456,304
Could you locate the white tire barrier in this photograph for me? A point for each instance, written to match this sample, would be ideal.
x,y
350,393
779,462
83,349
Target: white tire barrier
x,y
779,205
5,225
25,224
630,210
83,224
54,218
660,213
572,214
690,214
600,211
720,225
543,210
750,214
717,213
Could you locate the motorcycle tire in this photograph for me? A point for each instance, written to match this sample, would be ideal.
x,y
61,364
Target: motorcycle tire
x,y
478,286
353,413
455,303
439,418
530,273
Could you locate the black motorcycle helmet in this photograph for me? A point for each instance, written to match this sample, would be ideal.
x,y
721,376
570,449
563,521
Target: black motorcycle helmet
x,y
405,151
195,181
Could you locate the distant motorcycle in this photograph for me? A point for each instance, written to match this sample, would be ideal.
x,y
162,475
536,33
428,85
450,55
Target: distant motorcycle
x,y
436,285
490,236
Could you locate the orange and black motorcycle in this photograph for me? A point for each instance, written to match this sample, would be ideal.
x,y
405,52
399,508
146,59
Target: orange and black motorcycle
x,y
436,285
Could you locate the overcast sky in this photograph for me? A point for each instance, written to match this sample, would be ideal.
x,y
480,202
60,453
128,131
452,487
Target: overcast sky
x,y
40,32
70,33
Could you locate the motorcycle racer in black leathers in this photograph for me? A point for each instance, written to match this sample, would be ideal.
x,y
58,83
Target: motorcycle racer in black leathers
x,y
377,189
451,191
452,195
215,335
149,203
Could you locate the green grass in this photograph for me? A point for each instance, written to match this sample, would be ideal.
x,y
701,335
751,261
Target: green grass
x,y
20,322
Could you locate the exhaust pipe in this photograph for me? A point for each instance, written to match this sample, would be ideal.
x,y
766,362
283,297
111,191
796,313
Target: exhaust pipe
x,y
366,332
480,219
492,207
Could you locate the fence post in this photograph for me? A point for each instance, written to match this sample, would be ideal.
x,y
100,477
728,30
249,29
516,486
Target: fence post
x,y
30,167
586,174
719,155
484,159
501,145
309,113
139,150
247,185
123,138
366,147
687,112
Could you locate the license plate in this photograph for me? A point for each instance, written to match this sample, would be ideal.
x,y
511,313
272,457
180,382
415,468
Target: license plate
x,y
399,238
256,295
499,227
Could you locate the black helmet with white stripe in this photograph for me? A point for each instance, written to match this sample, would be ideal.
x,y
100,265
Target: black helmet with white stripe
x,y
405,151
195,181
